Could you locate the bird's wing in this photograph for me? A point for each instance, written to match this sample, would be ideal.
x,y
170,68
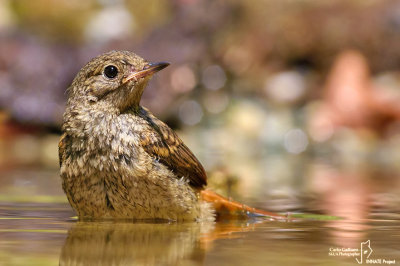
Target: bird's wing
x,y
61,147
164,144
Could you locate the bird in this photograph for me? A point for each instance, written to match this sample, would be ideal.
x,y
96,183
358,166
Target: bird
x,y
119,161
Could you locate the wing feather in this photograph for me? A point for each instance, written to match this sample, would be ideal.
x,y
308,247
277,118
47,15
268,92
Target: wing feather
x,y
165,145
61,148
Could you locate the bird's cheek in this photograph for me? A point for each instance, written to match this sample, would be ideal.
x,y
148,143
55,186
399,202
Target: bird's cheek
x,y
101,91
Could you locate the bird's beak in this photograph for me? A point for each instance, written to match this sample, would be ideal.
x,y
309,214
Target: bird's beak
x,y
148,70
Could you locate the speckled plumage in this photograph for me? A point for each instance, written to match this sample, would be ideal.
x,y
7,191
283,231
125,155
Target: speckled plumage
x,y
117,159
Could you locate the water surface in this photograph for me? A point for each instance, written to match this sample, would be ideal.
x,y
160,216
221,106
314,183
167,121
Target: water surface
x,y
48,234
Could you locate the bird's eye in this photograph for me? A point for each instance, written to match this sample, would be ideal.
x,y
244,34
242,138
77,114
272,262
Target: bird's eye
x,y
111,71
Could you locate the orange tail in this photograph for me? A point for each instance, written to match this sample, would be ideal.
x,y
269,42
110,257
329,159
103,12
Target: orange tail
x,y
228,209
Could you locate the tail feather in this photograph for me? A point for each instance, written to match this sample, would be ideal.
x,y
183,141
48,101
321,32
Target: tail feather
x,y
228,209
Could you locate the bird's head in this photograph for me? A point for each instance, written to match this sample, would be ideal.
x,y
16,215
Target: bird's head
x,y
114,80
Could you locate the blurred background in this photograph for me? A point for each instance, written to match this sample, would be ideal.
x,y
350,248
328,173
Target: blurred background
x,y
290,105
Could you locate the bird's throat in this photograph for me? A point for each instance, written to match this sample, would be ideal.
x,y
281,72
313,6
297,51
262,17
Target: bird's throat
x,y
133,97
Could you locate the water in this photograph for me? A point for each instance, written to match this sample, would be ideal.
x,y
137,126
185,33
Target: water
x,y
38,227
48,234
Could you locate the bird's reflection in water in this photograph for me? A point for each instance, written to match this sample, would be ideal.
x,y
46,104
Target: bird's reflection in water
x,y
110,243
116,243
